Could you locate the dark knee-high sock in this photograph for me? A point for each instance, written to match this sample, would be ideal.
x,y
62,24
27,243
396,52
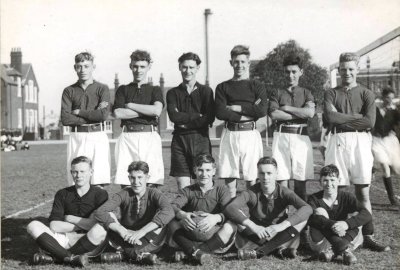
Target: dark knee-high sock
x,y
82,246
277,241
186,244
215,242
339,244
389,186
368,229
46,242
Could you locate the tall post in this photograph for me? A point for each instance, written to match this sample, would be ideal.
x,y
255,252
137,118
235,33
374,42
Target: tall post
x,y
207,12
44,123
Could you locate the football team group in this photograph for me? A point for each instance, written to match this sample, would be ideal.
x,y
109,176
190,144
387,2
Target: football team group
x,y
134,224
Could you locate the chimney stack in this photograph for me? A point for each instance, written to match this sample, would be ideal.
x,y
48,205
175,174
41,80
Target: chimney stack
x,y
16,59
162,81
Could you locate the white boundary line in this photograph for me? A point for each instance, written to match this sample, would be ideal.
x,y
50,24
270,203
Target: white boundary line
x,y
27,210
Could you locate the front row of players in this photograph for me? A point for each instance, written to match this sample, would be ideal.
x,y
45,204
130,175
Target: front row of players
x,y
200,221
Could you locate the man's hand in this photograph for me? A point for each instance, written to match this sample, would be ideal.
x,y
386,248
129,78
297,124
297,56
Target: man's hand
x,y
133,237
187,221
71,219
102,105
208,221
235,108
340,228
76,112
261,231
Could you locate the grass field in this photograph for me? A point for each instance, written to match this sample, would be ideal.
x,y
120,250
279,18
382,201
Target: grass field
x,y
31,178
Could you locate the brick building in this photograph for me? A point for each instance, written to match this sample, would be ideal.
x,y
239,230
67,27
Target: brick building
x,y
19,97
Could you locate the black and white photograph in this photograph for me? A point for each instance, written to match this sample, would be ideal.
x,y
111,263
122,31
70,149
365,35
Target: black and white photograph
x,y
200,134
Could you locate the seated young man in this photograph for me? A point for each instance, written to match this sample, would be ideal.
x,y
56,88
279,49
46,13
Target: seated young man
x,y
70,239
144,211
212,233
261,215
336,219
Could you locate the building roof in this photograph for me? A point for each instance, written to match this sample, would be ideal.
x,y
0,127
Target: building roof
x,y
7,74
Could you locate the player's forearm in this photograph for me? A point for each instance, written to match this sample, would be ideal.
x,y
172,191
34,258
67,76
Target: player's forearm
x,y
249,224
302,214
362,218
94,115
182,118
255,111
149,227
358,124
227,115
68,119
118,228
320,222
62,226
86,223
122,113
149,110
337,118
279,115
302,113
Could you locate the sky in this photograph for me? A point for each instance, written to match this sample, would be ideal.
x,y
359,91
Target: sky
x,y
51,32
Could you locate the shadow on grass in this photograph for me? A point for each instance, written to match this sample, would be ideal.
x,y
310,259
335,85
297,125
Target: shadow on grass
x,y
16,244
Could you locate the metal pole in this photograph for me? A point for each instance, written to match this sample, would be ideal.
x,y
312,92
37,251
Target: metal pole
x,y
368,66
207,12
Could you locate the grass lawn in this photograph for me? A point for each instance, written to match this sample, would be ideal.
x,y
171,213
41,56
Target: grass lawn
x,y
31,178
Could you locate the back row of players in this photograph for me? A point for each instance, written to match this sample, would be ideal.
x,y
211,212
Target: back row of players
x,y
349,112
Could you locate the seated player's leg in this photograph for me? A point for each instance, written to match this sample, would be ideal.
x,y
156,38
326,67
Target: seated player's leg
x,y
91,243
221,239
54,244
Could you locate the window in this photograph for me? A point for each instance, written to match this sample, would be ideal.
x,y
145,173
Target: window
x,y
19,87
30,85
26,90
19,118
35,94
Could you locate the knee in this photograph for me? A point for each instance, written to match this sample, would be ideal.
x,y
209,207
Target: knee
x,y
35,228
227,230
321,212
97,233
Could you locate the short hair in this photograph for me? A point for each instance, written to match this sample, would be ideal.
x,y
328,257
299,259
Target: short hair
x,y
84,56
267,161
349,56
81,159
240,49
387,90
292,60
189,56
204,158
138,166
329,170
141,55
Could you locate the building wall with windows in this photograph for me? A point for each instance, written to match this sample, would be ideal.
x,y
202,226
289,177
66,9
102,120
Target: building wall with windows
x,y
19,97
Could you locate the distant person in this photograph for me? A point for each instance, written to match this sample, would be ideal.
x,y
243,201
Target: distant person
x,y
84,107
25,146
350,114
139,105
191,108
336,220
264,226
240,102
291,108
69,238
145,213
10,145
385,144
203,202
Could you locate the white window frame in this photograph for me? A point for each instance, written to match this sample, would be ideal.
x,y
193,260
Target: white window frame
x,y
19,92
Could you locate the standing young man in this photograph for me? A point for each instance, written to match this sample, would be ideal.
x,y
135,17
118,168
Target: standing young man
x,y
70,235
84,107
291,147
240,102
145,212
139,105
191,108
212,233
350,112
336,219
385,144
261,215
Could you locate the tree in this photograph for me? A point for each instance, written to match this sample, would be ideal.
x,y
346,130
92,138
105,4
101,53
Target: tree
x,y
270,70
